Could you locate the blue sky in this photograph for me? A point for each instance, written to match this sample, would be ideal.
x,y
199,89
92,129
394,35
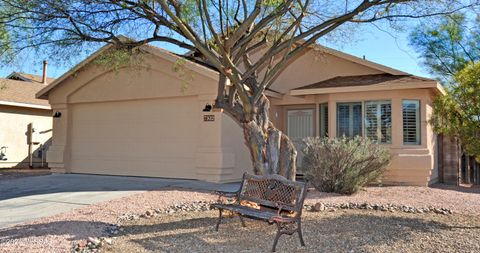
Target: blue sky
x,y
390,49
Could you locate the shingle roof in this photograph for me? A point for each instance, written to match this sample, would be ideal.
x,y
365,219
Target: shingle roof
x,y
28,77
365,80
22,92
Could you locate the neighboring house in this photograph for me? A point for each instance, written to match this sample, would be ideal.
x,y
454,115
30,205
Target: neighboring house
x,y
143,121
25,121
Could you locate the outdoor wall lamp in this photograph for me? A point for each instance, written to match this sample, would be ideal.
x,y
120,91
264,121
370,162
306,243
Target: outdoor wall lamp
x,y
207,108
57,114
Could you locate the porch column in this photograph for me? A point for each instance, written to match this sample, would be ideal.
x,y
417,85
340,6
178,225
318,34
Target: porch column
x,y
397,122
56,154
214,163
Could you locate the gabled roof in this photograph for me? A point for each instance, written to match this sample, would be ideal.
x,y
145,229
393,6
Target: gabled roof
x,y
360,61
331,51
28,77
204,68
344,81
164,54
368,83
21,94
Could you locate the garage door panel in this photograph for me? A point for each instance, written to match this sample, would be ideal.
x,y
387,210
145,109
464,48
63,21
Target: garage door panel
x,y
142,138
120,149
168,169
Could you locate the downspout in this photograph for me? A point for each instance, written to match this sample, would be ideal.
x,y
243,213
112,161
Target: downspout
x,y
29,142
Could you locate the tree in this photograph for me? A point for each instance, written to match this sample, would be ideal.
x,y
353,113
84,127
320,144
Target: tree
x,y
224,33
450,51
458,113
446,47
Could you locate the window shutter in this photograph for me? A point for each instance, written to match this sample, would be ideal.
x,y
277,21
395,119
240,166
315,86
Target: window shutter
x,y
343,119
386,122
371,121
411,122
357,120
378,121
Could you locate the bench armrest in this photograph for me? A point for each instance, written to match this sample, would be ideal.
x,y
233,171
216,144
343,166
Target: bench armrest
x,y
280,206
227,194
223,196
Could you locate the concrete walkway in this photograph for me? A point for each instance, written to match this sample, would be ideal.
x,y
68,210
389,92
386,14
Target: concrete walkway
x,y
30,198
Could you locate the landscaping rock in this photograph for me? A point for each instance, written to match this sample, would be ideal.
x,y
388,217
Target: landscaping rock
x,y
92,244
319,207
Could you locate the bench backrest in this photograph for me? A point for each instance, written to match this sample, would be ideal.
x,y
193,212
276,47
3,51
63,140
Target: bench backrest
x,y
270,190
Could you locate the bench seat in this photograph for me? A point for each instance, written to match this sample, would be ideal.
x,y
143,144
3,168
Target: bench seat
x,y
248,211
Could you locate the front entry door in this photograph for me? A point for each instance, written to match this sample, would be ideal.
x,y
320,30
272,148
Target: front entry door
x,y
300,124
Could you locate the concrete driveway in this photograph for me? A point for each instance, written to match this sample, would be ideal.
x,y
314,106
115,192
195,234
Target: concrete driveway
x,y
30,198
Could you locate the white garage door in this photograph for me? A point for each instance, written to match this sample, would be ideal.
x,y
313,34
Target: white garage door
x,y
142,138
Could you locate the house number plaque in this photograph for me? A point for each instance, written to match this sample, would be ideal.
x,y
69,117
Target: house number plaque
x,y
208,117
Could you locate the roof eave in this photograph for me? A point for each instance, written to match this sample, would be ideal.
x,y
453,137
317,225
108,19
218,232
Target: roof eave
x,y
439,89
17,104
376,87
273,94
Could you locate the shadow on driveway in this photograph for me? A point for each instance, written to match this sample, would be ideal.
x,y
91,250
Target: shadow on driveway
x,y
61,183
30,198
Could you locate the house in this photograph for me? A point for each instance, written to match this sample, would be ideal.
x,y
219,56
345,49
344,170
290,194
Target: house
x,y
25,121
148,120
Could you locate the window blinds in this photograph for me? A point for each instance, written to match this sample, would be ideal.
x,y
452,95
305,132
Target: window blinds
x,y
411,122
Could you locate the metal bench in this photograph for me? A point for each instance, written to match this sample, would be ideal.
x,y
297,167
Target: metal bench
x,y
270,198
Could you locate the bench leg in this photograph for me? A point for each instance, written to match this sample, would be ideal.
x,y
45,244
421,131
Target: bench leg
x,y
289,229
241,220
299,231
219,219
277,236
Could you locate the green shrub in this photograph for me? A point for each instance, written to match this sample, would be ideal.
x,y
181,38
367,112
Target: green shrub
x,y
343,165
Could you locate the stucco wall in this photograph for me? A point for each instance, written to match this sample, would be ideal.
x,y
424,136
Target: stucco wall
x,y
316,66
13,128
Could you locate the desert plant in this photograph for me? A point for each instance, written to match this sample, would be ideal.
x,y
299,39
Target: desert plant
x,y
343,165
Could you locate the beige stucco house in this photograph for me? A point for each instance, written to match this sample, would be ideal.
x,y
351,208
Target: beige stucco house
x,y
147,120
25,122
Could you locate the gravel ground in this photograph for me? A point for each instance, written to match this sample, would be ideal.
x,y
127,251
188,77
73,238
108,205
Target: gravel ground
x,y
17,173
459,199
340,231
58,233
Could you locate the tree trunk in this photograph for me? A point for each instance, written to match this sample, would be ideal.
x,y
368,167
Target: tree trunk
x,y
272,151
